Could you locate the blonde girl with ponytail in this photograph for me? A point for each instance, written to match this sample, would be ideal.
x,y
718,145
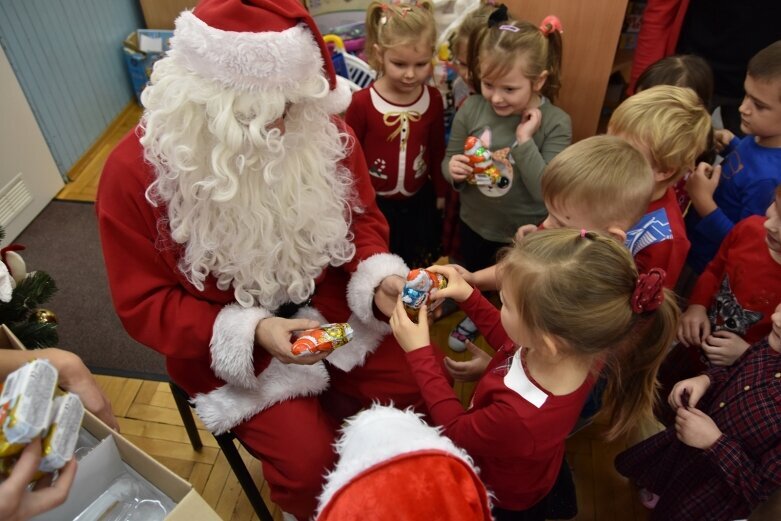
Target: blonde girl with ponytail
x,y
399,122
574,308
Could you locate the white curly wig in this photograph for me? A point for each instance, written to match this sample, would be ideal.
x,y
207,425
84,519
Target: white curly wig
x,y
264,207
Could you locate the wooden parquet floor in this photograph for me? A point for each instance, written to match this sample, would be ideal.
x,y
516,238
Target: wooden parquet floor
x,y
148,416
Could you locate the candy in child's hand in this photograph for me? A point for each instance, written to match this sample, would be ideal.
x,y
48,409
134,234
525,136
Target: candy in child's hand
x,y
25,405
484,171
324,338
417,290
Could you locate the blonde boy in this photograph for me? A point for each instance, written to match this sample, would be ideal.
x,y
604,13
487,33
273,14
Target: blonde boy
x,y
601,183
598,184
670,126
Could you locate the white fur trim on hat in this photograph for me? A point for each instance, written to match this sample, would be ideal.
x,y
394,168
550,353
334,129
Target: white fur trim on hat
x,y
365,280
339,98
233,344
225,407
245,60
379,434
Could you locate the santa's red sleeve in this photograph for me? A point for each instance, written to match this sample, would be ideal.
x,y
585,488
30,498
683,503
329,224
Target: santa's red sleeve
x,y
372,261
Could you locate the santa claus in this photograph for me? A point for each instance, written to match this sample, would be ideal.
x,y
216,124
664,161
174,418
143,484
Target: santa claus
x,y
241,210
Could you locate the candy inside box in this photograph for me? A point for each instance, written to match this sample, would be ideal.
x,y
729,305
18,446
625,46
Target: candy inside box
x,y
117,481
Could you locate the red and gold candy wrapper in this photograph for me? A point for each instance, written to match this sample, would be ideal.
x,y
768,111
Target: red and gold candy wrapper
x,y
25,405
324,338
484,171
417,290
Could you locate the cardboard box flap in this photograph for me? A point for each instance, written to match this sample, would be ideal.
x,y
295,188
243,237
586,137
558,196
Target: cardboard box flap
x,y
169,483
110,458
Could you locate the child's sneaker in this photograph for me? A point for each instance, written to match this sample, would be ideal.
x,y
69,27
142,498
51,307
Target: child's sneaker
x,y
648,498
465,330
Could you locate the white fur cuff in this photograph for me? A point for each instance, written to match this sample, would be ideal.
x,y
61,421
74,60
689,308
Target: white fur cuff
x,y
368,275
233,344
224,408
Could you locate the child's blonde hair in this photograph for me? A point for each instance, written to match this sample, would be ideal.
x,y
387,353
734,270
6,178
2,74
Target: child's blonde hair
x,y
670,122
474,21
390,25
604,175
495,50
578,289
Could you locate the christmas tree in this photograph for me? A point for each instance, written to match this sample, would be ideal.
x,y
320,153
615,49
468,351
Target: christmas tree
x,y
21,295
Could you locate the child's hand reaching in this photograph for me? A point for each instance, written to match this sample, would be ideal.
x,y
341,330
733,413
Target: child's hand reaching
x,y
467,275
695,428
724,347
700,185
460,168
469,370
457,288
722,137
694,326
409,335
531,119
524,230
693,387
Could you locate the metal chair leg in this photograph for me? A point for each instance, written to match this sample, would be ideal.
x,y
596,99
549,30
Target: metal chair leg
x,y
183,404
226,443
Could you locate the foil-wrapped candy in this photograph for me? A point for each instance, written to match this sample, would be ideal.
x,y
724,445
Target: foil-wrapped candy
x,y
324,338
484,171
417,289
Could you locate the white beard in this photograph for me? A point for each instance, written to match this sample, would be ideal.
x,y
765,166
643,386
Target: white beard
x,y
265,221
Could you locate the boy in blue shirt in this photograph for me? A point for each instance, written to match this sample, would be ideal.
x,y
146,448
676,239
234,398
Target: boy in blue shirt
x,y
743,184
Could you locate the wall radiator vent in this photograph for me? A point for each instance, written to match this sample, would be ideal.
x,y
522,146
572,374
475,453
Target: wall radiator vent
x,y
14,197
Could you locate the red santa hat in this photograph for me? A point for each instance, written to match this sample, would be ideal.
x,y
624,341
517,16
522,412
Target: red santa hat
x,y
394,466
255,46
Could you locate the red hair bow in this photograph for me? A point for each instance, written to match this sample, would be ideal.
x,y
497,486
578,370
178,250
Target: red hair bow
x,y
649,291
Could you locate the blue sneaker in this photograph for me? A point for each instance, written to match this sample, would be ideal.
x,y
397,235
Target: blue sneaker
x,y
465,330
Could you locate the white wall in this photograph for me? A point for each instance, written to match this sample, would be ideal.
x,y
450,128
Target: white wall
x,y
22,150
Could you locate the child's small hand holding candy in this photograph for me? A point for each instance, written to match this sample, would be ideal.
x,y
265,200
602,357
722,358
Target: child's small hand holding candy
x,y
457,288
409,335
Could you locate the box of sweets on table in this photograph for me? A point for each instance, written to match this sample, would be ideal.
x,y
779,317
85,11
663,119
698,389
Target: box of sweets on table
x,y
117,480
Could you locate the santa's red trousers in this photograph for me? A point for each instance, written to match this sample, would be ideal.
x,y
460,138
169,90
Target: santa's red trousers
x,y
294,439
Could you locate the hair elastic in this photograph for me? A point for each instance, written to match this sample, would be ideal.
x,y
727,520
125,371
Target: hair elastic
x,y
551,23
510,28
583,233
649,291
498,16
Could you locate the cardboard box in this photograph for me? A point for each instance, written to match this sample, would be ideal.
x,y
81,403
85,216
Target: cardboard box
x,y
96,468
161,14
141,49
